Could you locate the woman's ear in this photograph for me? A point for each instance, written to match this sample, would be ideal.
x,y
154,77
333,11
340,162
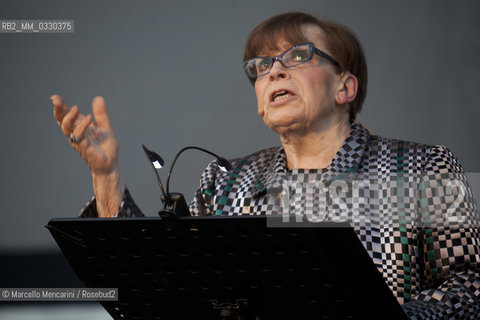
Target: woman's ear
x,y
347,89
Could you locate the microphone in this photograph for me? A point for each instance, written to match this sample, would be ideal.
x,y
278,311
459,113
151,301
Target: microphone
x,y
174,203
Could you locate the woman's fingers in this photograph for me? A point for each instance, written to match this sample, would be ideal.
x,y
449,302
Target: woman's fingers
x,y
68,121
81,127
60,108
100,113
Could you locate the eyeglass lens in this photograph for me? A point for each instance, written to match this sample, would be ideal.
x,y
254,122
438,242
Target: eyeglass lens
x,y
290,58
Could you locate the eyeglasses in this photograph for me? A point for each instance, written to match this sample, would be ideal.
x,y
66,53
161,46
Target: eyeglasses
x,y
294,56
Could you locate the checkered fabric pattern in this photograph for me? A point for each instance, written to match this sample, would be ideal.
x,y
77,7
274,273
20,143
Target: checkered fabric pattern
x,y
409,203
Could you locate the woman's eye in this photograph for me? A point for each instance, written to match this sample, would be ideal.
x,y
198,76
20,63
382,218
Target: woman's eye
x,y
300,56
263,65
296,56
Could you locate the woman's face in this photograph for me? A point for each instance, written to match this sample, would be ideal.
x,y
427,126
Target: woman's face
x,y
311,88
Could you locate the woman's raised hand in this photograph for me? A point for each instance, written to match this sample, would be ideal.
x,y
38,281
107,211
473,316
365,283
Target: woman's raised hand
x,y
96,143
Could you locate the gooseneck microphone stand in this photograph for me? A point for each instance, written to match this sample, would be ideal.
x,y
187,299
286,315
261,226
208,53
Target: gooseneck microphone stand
x,y
174,203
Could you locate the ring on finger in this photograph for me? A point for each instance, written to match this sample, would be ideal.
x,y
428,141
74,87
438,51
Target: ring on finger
x,y
74,139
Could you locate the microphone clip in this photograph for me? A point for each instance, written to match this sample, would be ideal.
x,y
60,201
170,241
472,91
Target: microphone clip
x,y
175,206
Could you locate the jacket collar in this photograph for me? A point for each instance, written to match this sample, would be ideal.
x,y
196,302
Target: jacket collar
x,y
347,160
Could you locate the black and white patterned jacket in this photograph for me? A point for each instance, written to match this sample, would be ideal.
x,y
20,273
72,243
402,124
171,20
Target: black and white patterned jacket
x,y
409,203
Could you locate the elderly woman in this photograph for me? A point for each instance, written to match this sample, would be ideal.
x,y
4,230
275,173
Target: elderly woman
x,y
310,79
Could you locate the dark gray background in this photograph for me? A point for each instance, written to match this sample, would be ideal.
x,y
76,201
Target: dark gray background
x,y
171,74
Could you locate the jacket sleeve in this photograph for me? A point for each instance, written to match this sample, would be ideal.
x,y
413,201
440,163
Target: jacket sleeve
x,y
127,208
202,203
449,221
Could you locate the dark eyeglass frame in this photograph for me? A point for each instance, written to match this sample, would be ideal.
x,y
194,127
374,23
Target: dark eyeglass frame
x,y
311,50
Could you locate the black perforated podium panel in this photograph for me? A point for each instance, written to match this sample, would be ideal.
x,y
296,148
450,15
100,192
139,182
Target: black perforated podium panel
x,y
225,268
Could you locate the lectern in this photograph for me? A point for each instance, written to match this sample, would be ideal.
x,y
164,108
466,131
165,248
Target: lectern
x,y
221,267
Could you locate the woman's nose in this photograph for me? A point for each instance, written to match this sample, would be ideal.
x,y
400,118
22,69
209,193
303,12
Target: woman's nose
x,y
278,71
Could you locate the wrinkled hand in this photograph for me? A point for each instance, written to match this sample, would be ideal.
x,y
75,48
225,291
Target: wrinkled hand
x,y
98,146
